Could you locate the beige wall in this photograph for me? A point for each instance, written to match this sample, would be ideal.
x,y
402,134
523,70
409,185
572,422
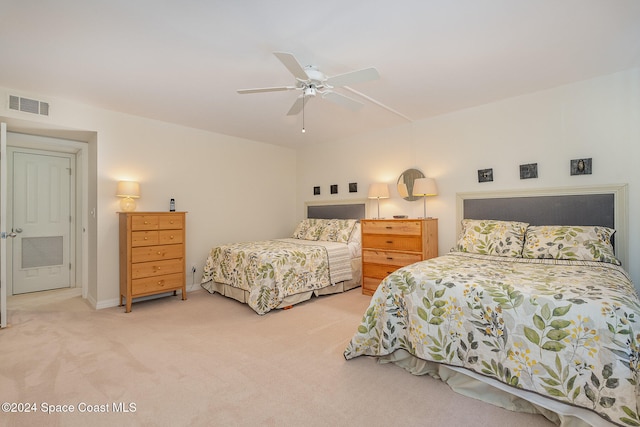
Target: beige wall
x,y
598,118
233,189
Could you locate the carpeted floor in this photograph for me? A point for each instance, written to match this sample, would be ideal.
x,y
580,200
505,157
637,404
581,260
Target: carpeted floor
x,y
210,361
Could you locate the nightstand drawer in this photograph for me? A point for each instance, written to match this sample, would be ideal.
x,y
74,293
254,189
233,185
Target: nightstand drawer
x,y
412,228
398,243
156,268
379,271
154,253
399,259
151,285
369,285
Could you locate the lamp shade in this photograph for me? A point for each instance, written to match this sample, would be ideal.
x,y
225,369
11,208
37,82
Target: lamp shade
x,y
128,189
378,190
425,187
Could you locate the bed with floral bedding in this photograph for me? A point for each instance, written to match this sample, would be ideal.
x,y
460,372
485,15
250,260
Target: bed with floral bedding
x,y
322,257
543,318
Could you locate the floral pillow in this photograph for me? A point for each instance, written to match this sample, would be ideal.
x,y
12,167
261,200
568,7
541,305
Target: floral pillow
x,y
492,237
337,230
309,229
588,243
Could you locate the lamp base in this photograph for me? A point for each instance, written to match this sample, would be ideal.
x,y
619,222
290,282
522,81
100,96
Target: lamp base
x,y
127,204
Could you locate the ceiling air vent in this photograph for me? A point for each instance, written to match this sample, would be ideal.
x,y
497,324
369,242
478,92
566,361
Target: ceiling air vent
x,y
28,105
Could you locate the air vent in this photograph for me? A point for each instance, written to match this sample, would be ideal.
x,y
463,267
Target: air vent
x,y
27,105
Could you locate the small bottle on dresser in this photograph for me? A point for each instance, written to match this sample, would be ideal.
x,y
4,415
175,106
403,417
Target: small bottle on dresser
x,y
172,205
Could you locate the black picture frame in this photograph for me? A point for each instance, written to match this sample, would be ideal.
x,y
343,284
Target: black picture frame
x,y
485,175
334,188
528,171
581,166
353,187
316,191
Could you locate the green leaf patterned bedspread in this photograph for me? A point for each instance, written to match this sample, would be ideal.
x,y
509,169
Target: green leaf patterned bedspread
x,y
270,270
564,329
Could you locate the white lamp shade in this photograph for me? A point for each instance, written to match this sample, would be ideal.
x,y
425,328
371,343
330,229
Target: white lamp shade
x,y
425,187
128,189
378,190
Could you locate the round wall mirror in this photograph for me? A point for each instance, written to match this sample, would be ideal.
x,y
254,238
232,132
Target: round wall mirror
x,y
405,184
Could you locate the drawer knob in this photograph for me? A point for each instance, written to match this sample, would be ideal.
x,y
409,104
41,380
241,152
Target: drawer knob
x,y
160,282
389,241
146,238
158,253
171,222
146,222
171,237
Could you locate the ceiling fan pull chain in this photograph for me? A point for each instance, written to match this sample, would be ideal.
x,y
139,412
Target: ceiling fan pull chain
x,y
303,129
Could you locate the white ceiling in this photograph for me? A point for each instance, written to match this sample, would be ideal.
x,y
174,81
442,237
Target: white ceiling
x,y
182,61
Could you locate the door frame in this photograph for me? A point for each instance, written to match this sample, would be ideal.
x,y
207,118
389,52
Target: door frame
x,y
32,141
73,259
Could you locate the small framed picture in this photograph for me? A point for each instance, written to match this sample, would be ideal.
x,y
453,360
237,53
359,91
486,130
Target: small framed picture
x,y
334,188
528,171
485,175
353,187
316,191
581,166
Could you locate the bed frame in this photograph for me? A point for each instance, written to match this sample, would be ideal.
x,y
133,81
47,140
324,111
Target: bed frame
x,y
597,205
348,209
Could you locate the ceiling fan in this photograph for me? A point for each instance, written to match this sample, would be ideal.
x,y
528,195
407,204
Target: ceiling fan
x,y
310,81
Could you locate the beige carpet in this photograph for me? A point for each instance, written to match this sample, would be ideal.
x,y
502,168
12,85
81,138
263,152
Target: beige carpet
x,y
211,361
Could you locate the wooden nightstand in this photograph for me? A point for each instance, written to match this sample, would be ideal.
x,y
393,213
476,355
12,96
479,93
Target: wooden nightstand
x,y
152,254
388,244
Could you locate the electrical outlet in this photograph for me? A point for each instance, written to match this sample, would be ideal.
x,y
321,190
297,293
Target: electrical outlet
x,y
193,268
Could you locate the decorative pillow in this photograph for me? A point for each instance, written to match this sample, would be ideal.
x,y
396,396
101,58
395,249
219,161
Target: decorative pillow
x,y
337,230
492,237
588,243
309,229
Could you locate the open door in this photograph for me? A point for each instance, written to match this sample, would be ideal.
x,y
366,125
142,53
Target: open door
x,y
3,225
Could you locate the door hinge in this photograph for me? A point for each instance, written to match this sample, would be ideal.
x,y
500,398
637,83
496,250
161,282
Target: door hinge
x,y
69,266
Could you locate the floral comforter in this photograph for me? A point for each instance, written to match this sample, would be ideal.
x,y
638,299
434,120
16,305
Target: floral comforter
x,y
271,270
563,329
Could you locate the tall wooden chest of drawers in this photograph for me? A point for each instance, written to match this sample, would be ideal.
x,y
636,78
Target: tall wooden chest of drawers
x,y
152,254
388,244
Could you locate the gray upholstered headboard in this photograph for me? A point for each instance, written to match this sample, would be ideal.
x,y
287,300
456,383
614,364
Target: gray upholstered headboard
x,y
601,205
348,210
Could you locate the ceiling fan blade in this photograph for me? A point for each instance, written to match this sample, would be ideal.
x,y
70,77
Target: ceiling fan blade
x,y
368,98
352,77
266,89
342,100
297,106
292,64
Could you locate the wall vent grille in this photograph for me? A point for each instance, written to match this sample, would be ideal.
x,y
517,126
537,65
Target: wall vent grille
x,y
27,105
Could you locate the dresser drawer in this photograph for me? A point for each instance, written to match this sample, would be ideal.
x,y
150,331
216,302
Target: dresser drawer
x,y
171,222
152,285
156,268
399,259
378,271
144,238
154,253
398,243
412,228
144,222
169,237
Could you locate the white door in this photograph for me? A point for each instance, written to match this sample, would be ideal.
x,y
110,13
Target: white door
x,y
3,225
40,202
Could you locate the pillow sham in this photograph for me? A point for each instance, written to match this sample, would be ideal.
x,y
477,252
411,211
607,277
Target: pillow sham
x,y
309,229
337,230
492,237
575,243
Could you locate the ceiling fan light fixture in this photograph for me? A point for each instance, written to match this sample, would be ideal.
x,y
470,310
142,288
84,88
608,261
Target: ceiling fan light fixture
x,y
310,91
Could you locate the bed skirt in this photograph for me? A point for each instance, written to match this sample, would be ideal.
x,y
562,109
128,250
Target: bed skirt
x,y
243,296
486,389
